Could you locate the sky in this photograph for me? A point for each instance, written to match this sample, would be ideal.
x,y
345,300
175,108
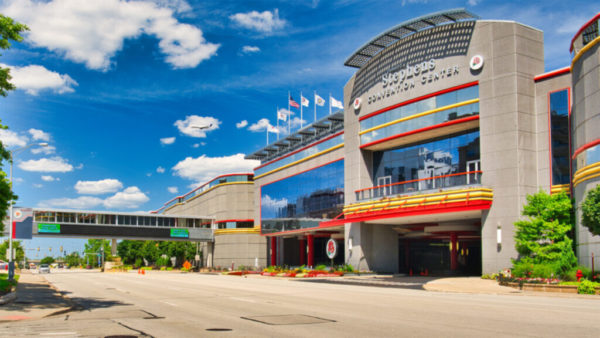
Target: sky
x,y
115,87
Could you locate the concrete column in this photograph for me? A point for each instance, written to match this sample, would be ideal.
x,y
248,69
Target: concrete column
x,y
302,251
311,250
453,251
113,247
209,254
273,250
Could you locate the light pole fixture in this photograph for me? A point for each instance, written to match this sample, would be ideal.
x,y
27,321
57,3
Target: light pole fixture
x,y
11,263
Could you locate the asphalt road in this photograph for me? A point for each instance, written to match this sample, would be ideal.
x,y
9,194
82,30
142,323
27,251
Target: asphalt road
x,y
193,305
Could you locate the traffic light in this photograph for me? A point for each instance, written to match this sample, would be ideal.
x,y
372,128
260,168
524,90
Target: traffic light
x,y
50,249
38,249
61,249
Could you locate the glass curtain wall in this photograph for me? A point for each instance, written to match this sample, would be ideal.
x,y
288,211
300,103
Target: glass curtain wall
x,y
303,200
438,163
559,129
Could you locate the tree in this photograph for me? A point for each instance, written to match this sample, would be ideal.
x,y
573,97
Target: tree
x,y
9,30
47,260
92,248
20,253
590,211
129,250
73,259
543,238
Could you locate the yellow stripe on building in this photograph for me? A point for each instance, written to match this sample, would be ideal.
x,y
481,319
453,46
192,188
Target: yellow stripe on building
x,y
586,173
428,112
237,231
583,50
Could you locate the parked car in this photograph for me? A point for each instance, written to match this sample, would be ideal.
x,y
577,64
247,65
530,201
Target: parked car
x,y
44,268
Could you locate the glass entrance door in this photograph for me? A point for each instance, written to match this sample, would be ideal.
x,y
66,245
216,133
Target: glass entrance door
x,y
383,183
472,177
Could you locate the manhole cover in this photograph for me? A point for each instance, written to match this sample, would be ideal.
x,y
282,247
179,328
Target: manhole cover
x,y
218,329
289,319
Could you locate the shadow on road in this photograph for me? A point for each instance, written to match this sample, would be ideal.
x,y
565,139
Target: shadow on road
x,y
389,281
87,304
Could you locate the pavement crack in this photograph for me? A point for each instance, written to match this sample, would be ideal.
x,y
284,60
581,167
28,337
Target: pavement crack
x,y
144,334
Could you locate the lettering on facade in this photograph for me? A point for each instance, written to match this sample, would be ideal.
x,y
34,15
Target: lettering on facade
x,y
407,78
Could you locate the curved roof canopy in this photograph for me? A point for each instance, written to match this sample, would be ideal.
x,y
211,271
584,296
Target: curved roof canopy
x,y
401,31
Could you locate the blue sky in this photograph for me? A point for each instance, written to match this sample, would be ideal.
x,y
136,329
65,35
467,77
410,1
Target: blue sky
x,y
114,86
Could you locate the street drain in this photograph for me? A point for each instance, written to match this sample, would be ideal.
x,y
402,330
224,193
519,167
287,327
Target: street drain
x,y
289,320
218,329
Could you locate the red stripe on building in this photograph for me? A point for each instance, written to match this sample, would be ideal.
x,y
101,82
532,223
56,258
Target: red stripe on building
x,y
585,147
582,29
552,74
420,98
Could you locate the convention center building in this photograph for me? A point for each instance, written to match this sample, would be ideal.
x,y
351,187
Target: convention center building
x,y
449,122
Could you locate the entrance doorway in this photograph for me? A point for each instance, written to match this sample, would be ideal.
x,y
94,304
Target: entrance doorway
x,y
432,257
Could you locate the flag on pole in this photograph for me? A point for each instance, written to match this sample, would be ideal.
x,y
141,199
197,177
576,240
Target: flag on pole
x,y
281,115
294,103
304,101
335,103
319,100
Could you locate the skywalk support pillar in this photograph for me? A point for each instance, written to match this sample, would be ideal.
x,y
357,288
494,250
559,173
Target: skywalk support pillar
x,y
113,247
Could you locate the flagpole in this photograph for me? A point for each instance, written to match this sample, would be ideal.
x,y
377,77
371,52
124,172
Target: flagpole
x,y
290,112
277,123
267,135
301,97
315,98
329,103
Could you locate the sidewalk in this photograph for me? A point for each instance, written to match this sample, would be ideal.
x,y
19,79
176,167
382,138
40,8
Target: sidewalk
x,y
35,299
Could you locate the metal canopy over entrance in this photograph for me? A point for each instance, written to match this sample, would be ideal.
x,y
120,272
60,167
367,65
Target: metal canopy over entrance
x,y
30,222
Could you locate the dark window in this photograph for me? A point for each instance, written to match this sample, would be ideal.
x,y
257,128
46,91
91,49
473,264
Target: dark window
x,y
559,141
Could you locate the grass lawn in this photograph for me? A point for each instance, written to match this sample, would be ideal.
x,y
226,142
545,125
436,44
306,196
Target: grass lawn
x,y
5,285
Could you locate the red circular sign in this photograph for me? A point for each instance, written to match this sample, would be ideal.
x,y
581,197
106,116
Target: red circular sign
x,y
331,248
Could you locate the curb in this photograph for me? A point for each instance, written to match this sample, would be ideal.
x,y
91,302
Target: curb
x,y
9,297
72,305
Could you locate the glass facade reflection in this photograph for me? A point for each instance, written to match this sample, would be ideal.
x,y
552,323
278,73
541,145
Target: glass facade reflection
x,y
435,164
303,200
428,104
332,142
559,131
587,157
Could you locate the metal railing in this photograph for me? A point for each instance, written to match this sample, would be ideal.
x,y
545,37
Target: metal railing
x,y
423,184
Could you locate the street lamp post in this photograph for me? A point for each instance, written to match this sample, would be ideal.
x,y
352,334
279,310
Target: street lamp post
x,y
11,263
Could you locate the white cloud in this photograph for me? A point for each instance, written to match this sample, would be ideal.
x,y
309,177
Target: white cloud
x,y
39,135
33,79
11,139
203,168
129,198
44,150
297,122
273,203
173,190
196,145
37,185
473,2
187,126
55,164
167,140
92,32
265,22
98,187
250,49
49,178
178,6
241,124
262,125
160,170
82,202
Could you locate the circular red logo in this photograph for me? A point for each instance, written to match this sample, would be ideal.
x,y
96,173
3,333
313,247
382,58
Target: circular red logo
x,y
331,248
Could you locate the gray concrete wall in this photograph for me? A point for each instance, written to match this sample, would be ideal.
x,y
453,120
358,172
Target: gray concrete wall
x,y
240,249
585,126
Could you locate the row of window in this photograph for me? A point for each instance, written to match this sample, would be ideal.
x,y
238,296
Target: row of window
x,y
421,122
431,103
112,219
301,154
235,225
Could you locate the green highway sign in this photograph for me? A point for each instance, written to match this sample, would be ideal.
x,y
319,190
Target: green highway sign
x,y
48,228
180,233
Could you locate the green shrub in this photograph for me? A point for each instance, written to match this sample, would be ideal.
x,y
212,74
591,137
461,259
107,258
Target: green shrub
x,y
586,287
571,275
138,263
545,270
321,267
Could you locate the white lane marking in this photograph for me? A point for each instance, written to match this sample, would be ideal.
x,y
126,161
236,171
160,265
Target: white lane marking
x,y
162,301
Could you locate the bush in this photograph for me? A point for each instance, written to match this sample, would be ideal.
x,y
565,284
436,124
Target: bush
x,y
571,275
138,263
321,267
586,287
163,261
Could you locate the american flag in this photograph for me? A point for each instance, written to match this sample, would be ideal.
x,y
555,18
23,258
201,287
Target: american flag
x,y
294,103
